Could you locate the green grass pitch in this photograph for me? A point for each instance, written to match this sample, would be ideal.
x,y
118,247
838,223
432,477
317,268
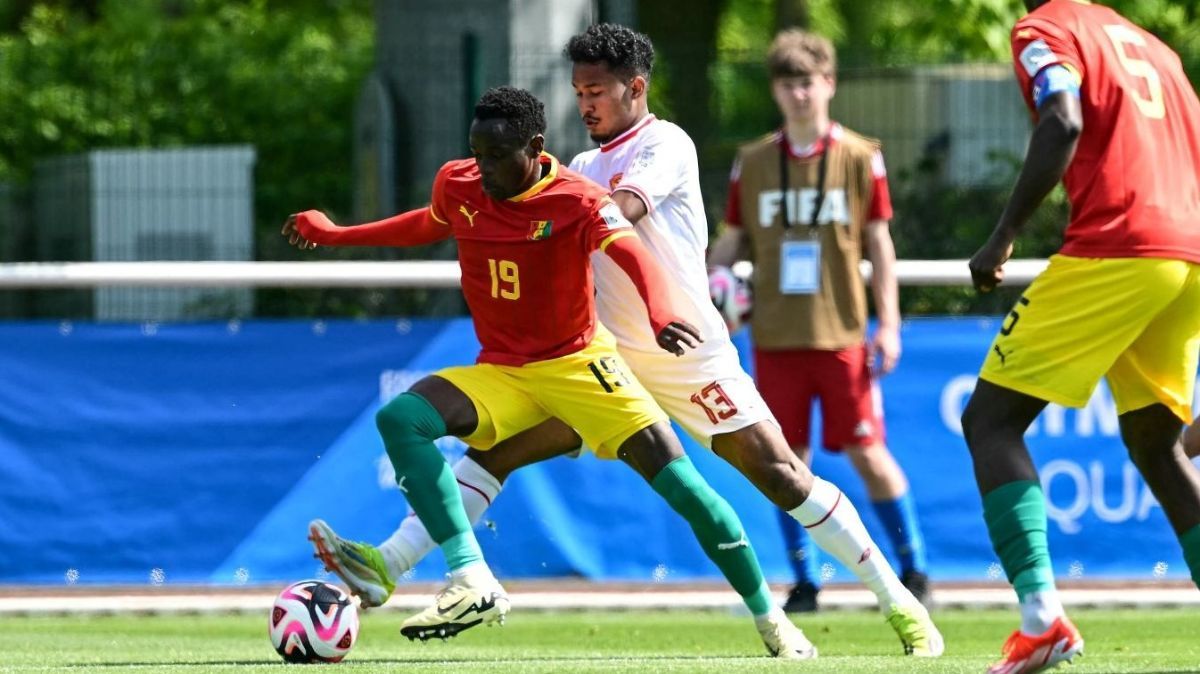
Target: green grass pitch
x,y
1126,640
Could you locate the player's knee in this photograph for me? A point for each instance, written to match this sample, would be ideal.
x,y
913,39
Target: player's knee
x,y
1191,440
693,498
1150,433
406,420
1144,451
974,419
786,481
872,460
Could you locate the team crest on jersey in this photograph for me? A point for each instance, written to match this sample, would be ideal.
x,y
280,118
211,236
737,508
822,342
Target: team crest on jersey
x,y
614,181
539,229
644,158
1037,55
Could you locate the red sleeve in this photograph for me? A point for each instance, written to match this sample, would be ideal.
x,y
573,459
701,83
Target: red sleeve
x,y
604,223
1038,43
733,207
437,200
881,197
412,228
648,277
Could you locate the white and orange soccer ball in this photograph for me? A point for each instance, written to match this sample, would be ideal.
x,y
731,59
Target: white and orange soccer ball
x,y
731,295
313,621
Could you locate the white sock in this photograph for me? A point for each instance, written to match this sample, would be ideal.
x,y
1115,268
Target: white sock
x,y
475,574
411,542
773,616
833,522
1039,610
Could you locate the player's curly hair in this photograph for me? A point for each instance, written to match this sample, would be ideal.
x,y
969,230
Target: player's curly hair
x,y
626,52
525,114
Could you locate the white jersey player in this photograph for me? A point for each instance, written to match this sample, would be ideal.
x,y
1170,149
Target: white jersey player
x,y
650,165
706,390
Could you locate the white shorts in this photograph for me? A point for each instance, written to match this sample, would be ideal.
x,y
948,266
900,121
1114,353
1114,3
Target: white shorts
x,y
705,391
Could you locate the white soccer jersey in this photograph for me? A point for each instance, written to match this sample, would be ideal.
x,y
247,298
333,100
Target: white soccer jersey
x,y
706,390
656,161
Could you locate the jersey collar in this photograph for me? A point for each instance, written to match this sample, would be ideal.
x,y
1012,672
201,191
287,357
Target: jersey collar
x,y
540,185
815,148
633,131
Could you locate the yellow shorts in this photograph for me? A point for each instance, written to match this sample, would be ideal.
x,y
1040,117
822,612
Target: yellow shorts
x,y
591,390
1135,321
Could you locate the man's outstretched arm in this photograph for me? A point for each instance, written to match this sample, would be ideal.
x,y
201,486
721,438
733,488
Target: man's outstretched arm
x,y
412,228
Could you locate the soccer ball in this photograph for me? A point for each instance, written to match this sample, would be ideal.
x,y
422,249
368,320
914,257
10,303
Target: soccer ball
x,y
313,621
731,295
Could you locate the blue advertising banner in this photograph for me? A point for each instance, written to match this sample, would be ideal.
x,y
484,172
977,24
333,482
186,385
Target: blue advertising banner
x,y
198,453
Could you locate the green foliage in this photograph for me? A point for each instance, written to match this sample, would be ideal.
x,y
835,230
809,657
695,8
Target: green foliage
x,y
283,75
933,220
146,73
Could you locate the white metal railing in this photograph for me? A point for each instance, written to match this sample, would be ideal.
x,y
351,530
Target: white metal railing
x,y
402,274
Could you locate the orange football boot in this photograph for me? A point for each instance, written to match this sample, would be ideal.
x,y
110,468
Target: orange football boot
x,y
1024,654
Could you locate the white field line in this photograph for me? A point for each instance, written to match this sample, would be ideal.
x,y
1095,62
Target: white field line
x,y
248,601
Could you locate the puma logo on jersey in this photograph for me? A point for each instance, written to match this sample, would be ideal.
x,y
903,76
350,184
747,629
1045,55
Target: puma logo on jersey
x,y
614,181
470,216
1003,356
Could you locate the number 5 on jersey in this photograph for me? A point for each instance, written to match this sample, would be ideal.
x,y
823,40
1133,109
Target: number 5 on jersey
x,y
1152,104
506,279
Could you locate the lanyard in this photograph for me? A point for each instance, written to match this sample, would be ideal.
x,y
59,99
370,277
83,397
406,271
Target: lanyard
x,y
785,179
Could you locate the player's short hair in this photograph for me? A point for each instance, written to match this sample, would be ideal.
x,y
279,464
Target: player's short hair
x,y
796,52
626,52
525,114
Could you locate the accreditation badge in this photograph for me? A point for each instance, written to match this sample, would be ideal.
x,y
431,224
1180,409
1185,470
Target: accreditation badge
x,y
800,267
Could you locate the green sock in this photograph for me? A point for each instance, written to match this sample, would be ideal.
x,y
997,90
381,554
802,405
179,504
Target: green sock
x,y
1016,520
718,529
1190,540
409,425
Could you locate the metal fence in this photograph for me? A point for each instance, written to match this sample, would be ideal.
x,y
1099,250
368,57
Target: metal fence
x,y
952,138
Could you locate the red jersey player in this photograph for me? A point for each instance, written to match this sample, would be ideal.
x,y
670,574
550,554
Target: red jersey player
x,y
1119,123
525,228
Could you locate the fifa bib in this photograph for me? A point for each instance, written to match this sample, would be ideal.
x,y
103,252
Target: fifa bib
x,y
800,267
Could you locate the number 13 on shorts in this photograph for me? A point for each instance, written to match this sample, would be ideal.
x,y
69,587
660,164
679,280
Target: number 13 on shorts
x,y
715,403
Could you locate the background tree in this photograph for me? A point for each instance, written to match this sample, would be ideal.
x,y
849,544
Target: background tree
x,y
792,14
686,46
283,75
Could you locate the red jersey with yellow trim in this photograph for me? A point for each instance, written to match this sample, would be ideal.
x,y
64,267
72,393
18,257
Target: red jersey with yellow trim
x,y
524,260
1134,183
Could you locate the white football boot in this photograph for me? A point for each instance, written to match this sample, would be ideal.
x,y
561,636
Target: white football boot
x,y
459,606
783,639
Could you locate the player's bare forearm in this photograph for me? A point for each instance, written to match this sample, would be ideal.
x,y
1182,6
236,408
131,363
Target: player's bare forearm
x,y
631,205
1051,148
728,248
884,287
884,348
